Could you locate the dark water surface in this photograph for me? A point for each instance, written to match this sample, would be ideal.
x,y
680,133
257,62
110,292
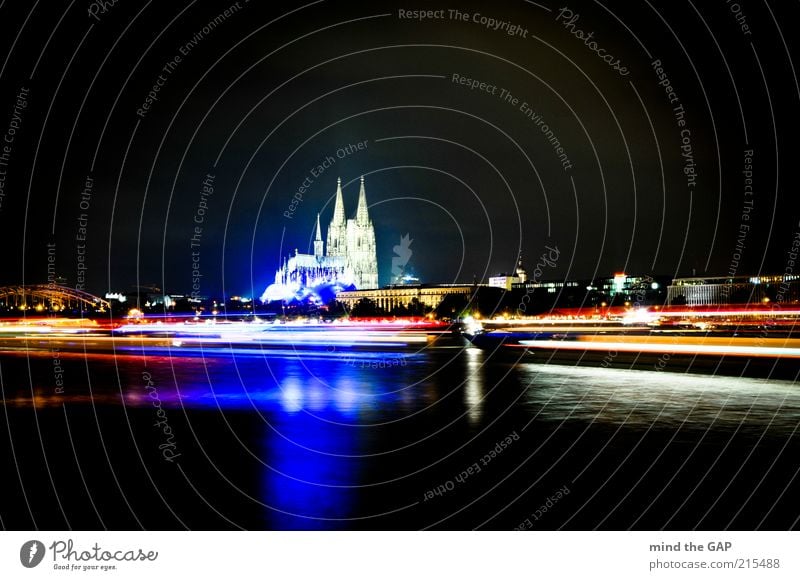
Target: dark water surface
x,y
444,438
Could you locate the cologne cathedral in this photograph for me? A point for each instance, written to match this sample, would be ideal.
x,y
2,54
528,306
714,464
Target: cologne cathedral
x,y
346,260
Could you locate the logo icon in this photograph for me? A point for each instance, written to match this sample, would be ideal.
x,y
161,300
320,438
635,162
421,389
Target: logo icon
x,y
403,253
31,553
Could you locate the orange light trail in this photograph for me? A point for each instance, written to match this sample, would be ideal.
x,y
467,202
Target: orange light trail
x,y
713,345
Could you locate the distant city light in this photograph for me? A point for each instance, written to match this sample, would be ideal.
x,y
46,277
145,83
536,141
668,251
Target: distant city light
x,y
619,282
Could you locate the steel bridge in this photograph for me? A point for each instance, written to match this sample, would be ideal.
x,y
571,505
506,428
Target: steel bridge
x,y
49,297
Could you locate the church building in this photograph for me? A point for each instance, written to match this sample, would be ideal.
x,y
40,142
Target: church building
x,y
347,260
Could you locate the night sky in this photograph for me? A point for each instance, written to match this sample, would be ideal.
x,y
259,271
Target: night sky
x,y
644,177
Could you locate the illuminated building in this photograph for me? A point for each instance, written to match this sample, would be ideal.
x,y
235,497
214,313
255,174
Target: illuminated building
x,y
621,289
393,297
505,281
350,261
522,274
710,291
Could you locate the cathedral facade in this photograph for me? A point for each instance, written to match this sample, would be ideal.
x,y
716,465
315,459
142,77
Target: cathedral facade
x,y
347,259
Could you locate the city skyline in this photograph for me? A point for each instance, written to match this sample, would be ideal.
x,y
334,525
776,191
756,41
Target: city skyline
x,y
463,149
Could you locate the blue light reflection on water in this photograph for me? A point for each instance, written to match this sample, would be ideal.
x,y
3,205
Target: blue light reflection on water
x,y
253,380
306,486
316,414
318,411
317,453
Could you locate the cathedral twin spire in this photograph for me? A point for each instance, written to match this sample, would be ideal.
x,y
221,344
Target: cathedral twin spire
x,y
318,250
362,213
338,207
349,259
337,230
352,239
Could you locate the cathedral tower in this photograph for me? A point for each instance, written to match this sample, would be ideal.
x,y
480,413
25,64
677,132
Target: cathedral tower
x,y
362,257
318,250
337,230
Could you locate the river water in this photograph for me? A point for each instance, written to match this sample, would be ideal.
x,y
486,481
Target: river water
x,y
443,437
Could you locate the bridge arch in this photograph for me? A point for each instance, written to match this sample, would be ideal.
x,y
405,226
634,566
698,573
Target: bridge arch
x,y
49,297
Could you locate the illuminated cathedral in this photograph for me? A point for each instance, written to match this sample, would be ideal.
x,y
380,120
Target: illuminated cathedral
x,y
350,262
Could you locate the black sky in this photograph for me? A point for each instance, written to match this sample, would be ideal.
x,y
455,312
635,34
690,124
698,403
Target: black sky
x,y
273,90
